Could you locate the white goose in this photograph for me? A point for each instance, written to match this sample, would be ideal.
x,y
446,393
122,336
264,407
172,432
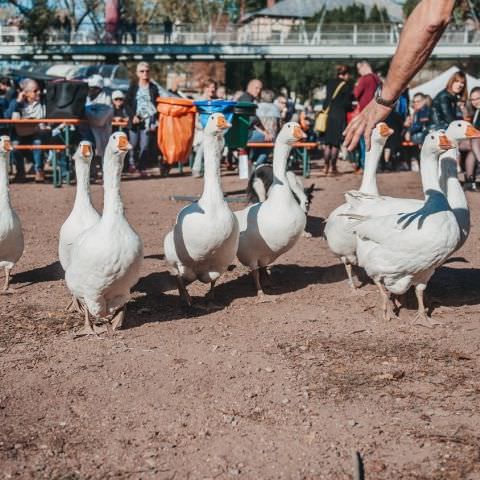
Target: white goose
x,y
271,228
400,250
376,205
204,239
338,228
11,235
106,259
83,215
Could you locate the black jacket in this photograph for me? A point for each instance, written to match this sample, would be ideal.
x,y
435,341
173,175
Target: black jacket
x,y
445,109
131,100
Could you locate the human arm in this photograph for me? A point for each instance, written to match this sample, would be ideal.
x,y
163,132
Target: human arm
x,y
420,34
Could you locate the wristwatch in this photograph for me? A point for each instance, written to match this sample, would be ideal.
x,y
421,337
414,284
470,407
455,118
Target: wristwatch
x,y
385,103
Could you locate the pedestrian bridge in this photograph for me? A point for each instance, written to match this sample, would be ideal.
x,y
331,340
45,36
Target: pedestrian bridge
x,y
339,42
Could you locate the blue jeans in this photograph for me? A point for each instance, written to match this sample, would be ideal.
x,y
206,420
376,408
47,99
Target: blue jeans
x,y
140,138
258,156
363,151
37,155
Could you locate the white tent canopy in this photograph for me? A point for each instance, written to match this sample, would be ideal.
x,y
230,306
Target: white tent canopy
x,y
437,84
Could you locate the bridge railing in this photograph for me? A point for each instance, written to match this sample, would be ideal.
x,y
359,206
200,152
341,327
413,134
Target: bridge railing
x,y
253,34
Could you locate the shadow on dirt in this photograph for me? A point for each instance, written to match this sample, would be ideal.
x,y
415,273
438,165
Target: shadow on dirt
x,y
315,226
48,273
161,301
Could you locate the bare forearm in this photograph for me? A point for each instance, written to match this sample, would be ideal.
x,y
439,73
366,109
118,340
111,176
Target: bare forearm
x,y
420,34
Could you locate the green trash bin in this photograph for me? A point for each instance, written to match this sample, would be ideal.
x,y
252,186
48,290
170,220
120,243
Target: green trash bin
x,y
237,136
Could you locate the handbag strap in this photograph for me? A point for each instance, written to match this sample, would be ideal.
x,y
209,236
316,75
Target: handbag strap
x,y
337,90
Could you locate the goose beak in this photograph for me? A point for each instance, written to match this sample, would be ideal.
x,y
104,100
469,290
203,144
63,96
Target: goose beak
x,y
384,129
86,150
222,123
123,144
445,143
7,146
472,132
299,134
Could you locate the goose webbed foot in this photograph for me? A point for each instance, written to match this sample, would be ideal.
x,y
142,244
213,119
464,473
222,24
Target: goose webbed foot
x,y
352,280
73,306
388,305
118,318
421,318
6,287
262,298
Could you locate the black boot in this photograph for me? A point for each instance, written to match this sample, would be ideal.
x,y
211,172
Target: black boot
x,y
470,184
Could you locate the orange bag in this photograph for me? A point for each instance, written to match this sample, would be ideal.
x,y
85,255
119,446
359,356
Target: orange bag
x,y
176,127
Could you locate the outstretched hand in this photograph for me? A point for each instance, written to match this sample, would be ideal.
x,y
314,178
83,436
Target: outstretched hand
x,y
364,123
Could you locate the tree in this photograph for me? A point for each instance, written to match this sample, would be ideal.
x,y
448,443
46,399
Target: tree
x,y
39,19
78,11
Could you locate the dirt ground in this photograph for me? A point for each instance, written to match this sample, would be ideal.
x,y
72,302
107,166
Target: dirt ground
x,y
284,390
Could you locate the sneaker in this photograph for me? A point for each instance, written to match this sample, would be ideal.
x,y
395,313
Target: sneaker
x,y
40,177
132,169
196,174
143,174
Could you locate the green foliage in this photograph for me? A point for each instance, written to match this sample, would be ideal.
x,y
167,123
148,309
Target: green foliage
x,y
39,20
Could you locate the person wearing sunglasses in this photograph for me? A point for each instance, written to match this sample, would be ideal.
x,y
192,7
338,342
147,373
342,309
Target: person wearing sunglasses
x,y
140,102
28,104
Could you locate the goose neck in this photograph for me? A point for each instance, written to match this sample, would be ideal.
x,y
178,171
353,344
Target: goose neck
x,y
429,173
112,171
369,179
4,195
82,170
280,159
212,187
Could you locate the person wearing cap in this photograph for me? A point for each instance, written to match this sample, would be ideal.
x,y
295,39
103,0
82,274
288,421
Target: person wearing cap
x,y
140,103
120,115
119,110
96,94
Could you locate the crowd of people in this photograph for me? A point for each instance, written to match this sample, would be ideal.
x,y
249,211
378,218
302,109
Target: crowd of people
x,y
411,120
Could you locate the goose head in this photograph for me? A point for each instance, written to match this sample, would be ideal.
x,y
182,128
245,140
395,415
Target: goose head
x,y
436,143
216,125
84,152
380,134
290,133
5,144
460,130
118,145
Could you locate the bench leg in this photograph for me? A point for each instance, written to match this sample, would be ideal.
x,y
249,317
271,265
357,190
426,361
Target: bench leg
x,y
306,163
57,174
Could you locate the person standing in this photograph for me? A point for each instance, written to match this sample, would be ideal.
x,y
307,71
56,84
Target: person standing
x,y
420,34
339,102
140,104
364,92
167,30
209,92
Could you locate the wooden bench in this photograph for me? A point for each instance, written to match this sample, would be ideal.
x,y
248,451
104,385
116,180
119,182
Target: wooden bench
x,y
58,173
302,147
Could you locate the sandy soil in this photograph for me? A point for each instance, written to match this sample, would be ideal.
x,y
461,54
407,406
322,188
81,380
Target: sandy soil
x,y
287,390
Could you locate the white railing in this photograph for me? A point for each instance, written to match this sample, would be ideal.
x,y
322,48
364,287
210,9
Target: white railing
x,y
328,34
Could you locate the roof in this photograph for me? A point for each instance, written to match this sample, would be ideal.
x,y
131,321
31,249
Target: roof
x,y
309,8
